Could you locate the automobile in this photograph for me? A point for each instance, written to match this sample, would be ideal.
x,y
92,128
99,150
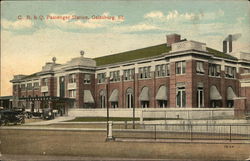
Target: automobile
x,y
29,114
48,114
11,116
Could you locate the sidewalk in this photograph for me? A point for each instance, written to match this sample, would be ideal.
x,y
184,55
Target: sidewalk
x,y
50,128
138,140
48,122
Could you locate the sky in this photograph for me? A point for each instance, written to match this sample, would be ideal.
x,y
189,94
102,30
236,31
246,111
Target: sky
x,y
32,32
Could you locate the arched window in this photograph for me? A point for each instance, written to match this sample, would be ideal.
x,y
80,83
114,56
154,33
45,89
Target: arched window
x,y
102,99
129,98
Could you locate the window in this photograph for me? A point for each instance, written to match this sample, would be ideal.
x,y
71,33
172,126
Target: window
x,y
23,87
200,67
144,72
181,67
181,97
168,69
45,82
144,104
29,86
144,97
114,104
72,78
230,97
15,87
114,76
62,86
72,93
36,85
200,97
45,93
87,79
161,96
246,70
128,74
129,98
101,77
162,70
114,98
214,70
230,72
216,103
102,99
215,97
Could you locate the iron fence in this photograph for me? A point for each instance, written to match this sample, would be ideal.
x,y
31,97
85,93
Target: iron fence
x,y
183,131
195,114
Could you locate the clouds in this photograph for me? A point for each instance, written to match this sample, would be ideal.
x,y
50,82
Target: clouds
x,y
154,14
16,25
178,16
135,28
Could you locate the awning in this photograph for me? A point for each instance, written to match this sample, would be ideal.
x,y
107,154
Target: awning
x,y
144,96
230,94
88,98
214,94
114,96
162,93
199,67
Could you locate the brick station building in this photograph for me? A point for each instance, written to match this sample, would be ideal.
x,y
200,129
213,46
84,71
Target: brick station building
x,y
179,73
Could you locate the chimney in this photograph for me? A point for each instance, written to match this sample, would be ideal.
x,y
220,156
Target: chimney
x,y
230,43
225,46
173,38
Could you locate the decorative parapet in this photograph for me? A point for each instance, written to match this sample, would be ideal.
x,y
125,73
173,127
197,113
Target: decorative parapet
x,y
188,45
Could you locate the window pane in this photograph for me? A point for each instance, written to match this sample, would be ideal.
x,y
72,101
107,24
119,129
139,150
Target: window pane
x,y
183,67
178,98
183,98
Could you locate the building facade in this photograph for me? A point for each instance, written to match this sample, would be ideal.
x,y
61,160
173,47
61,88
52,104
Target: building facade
x,y
179,73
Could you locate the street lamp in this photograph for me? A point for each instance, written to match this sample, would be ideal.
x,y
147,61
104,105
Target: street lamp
x,y
107,109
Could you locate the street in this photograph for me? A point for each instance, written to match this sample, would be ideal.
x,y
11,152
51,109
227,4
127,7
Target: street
x,y
92,145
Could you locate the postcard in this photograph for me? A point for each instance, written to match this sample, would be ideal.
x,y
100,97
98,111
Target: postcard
x,y
125,80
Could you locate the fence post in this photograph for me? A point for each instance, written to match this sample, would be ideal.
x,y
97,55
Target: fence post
x,y
155,131
125,124
191,132
141,117
230,134
110,135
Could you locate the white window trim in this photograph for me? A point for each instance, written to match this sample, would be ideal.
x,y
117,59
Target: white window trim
x,y
181,92
181,72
